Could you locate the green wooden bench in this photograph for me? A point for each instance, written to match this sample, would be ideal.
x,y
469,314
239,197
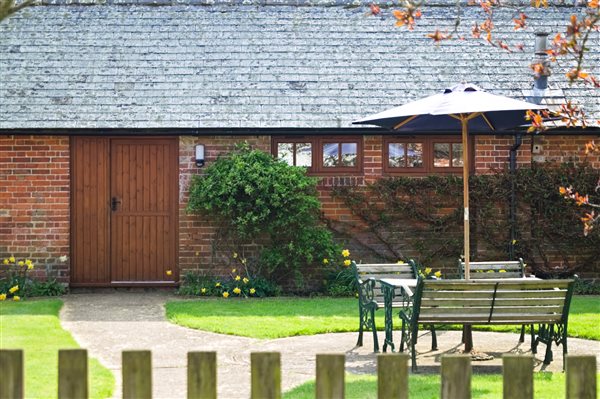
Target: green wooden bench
x,y
494,302
370,295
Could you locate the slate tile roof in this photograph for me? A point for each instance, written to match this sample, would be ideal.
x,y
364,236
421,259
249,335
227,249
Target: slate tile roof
x,y
272,63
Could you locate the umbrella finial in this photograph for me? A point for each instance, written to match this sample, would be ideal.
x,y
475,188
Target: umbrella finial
x,y
462,87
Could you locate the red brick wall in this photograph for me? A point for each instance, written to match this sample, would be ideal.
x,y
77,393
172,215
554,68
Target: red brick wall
x,y
493,152
35,184
34,201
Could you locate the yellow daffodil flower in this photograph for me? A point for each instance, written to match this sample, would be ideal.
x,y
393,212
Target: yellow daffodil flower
x,y
438,274
233,270
218,285
237,291
16,298
252,291
29,267
345,253
28,262
235,255
12,259
14,289
21,263
347,262
169,272
237,278
490,271
399,262
245,280
325,261
226,294
244,261
501,271
428,271
5,261
2,297
203,290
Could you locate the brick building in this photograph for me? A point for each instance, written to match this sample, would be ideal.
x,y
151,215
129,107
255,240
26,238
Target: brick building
x,y
102,107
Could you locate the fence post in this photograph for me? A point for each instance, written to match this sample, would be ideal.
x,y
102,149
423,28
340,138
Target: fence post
x,y
11,373
266,375
517,377
456,377
137,375
581,377
330,376
72,374
202,375
392,376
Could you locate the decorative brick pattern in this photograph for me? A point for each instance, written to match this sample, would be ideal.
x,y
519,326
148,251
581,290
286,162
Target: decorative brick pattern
x,y
34,201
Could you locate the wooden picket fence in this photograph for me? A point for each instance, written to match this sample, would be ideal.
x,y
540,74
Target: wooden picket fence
x,y
392,375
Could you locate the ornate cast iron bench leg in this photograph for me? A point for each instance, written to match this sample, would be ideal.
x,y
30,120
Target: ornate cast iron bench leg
x,y
360,325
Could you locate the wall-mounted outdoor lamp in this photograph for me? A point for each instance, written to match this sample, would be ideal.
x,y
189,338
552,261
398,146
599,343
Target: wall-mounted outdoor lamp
x,y
199,155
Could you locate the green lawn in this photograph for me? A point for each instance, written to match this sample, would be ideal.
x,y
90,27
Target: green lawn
x,y
307,316
546,386
34,326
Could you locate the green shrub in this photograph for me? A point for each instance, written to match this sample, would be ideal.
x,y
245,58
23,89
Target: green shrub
x,y
237,284
587,287
50,287
269,205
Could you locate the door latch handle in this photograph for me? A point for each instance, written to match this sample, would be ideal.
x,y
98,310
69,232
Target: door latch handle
x,y
114,202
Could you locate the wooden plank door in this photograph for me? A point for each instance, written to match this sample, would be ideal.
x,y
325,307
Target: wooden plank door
x,y
90,238
143,197
124,211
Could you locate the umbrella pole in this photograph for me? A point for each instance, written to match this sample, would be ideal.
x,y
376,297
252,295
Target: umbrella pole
x,y
464,119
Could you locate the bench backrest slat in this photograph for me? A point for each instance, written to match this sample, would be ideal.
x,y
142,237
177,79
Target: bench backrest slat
x,y
493,269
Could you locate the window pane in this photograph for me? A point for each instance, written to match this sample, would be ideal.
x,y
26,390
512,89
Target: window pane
x,y
303,154
349,154
330,154
415,155
441,155
285,152
457,155
396,155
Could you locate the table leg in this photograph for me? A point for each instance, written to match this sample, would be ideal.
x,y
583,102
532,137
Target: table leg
x,y
468,337
388,298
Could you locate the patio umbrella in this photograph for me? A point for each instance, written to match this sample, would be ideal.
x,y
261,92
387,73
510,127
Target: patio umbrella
x,y
464,107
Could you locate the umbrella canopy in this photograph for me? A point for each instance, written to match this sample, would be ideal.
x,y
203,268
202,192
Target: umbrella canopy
x,y
464,107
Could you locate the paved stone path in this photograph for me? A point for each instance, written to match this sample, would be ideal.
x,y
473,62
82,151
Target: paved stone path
x,y
108,323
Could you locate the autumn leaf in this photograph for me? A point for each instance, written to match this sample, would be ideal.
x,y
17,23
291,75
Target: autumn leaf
x,y
375,9
520,22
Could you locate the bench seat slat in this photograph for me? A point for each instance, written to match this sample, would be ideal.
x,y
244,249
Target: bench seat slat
x,y
430,302
499,294
483,319
384,268
497,310
503,285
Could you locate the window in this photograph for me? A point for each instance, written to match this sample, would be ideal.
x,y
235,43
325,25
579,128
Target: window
x,y
431,154
297,154
321,155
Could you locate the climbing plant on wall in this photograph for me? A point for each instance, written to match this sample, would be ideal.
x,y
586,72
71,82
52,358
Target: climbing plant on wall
x,y
421,217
